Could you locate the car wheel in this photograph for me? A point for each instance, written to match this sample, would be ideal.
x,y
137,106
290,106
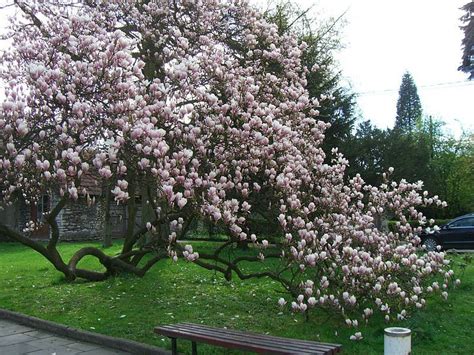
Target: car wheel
x,y
430,244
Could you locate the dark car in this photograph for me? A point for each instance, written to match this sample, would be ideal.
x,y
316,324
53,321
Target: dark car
x,y
457,234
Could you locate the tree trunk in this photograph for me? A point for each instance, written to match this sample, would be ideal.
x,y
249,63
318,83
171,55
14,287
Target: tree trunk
x,y
107,231
148,215
131,217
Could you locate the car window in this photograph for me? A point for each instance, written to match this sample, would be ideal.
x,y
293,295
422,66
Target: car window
x,y
465,222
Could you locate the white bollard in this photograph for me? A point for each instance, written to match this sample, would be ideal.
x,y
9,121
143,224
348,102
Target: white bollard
x,y
397,341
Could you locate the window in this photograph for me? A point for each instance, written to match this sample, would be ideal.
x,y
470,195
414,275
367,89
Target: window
x,y
465,222
40,209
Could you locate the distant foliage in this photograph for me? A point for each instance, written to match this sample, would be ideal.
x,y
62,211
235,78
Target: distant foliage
x,y
444,164
452,172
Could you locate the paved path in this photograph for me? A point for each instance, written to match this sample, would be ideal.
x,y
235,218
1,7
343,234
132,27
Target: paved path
x,y
16,339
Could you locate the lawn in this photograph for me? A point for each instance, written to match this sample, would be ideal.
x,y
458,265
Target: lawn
x,y
130,307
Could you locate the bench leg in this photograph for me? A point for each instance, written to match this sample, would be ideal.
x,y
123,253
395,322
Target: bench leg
x,y
174,349
194,346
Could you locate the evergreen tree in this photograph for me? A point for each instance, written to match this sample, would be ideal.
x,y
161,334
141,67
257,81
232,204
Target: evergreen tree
x,y
408,105
324,40
366,155
375,151
468,40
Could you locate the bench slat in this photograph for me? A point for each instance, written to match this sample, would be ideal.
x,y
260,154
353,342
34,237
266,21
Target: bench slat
x,y
258,338
265,336
246,341
284,348
233,344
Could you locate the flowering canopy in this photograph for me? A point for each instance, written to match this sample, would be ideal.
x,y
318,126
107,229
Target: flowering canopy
x,y
206,104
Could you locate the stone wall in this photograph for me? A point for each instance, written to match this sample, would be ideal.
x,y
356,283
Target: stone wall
x,y
15,216
77,221
118,219
8,218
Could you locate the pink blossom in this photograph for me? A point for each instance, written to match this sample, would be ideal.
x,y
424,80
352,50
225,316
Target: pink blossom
x,y
357,336
282,302
213,133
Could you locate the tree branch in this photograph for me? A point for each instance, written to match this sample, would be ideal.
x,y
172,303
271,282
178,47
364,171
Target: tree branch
x,y
10,233
50,254
233,266
51,219
34,18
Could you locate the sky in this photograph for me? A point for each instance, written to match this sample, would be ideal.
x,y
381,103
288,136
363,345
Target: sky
x,y
383,39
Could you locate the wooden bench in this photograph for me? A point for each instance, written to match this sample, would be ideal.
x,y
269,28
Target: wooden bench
x,y
235,339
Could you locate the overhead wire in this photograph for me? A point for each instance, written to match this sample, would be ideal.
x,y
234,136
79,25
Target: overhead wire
x,y
449,84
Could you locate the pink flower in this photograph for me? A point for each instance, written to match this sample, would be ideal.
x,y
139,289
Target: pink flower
x,y
211,130
357,336
282,302
182,202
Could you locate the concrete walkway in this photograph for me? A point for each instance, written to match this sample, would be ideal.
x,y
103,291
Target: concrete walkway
x,y
16,339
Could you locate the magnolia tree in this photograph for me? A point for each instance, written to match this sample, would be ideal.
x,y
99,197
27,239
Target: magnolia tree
x,y
204,105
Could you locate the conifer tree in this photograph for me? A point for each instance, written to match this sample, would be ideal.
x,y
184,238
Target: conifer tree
x,y
468,41
408,105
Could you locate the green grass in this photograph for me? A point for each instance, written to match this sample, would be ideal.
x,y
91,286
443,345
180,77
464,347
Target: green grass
x,y
130,307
